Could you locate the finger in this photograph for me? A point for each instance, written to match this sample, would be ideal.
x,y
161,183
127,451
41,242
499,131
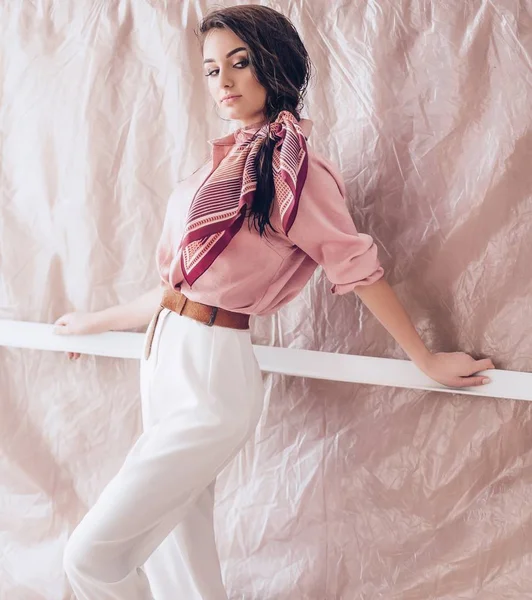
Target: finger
x,y
484,363
474,381
476,366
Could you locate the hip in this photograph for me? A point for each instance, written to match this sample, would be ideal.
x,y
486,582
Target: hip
x,y
214,365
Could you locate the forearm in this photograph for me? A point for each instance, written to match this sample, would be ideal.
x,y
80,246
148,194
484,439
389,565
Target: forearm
x,y
382,301
136,313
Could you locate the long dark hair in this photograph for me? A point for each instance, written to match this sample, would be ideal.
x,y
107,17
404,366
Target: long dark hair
x,y
282,66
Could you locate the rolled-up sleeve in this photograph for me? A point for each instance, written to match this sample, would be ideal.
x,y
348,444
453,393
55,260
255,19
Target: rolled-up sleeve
x,y
324,230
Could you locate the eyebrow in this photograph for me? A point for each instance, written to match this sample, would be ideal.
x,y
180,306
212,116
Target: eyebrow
x,y
209,60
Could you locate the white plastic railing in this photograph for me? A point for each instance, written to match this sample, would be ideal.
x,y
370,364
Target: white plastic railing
x,y
513,385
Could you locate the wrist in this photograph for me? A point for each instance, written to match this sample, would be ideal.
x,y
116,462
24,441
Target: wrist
x,y
422,359
102,320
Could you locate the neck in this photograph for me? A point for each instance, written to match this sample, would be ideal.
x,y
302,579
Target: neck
x,y
249,124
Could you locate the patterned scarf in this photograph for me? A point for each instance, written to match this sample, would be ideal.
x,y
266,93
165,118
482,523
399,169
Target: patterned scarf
x,y
220,205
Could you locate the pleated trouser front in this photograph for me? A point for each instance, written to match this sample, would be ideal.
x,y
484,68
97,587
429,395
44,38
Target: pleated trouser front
x,y
150,534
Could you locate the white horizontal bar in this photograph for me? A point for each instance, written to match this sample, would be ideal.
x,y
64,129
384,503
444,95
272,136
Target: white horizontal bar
x,y
513,385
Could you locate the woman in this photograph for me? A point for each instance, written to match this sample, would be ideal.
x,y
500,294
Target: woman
x,y
241,236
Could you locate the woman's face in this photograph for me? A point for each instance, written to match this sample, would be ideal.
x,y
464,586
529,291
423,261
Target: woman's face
x,y
232,83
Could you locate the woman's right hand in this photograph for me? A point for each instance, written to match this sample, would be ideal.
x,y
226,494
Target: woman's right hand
x,y
79,323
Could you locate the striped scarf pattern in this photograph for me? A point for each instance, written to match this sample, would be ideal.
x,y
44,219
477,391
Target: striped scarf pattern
x,y
220,205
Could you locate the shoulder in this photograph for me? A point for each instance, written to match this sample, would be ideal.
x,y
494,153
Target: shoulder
x,y
322,175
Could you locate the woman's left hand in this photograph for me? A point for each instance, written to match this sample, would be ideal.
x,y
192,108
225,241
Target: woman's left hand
x,y
456,369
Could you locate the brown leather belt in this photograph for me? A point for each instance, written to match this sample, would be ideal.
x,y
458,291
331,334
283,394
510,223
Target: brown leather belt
x,y
208,315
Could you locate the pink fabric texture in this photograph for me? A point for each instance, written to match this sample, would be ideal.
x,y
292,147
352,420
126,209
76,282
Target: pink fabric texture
x,y
347,491
257,275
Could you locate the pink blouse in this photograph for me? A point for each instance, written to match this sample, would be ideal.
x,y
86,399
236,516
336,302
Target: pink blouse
x,y
257,275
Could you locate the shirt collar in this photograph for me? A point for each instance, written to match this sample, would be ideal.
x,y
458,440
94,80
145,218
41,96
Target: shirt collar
x,y
246,133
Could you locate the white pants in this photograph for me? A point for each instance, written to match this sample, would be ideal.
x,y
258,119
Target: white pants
x,y
150,534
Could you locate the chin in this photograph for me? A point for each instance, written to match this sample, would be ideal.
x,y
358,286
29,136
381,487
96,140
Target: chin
x,y
234,115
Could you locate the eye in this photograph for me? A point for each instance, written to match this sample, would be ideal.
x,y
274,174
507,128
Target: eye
x,y
211,72
244,63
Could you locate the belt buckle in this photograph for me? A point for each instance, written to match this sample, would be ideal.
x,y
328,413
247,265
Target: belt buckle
x,y
214,312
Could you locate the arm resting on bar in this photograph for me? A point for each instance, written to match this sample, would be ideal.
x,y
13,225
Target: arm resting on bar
x,y
454,369
382,301
136,313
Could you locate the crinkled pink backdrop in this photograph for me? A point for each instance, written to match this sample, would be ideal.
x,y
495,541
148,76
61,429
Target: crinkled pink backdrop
x,y
348,491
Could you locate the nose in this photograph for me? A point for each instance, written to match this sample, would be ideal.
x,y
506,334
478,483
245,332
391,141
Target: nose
x,y
225,80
